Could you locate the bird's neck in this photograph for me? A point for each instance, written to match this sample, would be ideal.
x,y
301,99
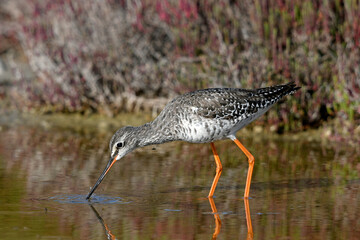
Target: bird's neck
x,y
150,133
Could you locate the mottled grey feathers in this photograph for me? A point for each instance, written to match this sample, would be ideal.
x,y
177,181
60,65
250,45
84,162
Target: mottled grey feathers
x,y
231,103
204,116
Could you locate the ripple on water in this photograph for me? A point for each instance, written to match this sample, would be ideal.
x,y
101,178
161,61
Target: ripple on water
x,y
172,210
81,199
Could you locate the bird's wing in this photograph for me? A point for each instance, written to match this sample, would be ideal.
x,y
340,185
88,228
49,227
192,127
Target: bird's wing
x,y
223,103
230,103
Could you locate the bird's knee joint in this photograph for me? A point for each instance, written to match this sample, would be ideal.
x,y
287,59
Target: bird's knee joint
x,y
219,168
251,159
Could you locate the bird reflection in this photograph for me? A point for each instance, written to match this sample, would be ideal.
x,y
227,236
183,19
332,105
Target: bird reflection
x,y
216,217
250,234
108,233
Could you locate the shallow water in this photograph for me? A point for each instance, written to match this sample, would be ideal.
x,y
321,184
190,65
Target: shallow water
x,y
300,189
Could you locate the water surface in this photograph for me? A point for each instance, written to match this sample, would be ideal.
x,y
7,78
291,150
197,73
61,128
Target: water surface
x,y
301,189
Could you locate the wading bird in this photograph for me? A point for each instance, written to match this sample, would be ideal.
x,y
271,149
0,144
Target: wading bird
x,y
202,116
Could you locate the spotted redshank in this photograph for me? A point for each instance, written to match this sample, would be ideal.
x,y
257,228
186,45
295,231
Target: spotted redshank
x,y
202,116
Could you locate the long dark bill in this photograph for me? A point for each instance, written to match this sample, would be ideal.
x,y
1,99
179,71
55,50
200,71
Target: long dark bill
x,y
107,168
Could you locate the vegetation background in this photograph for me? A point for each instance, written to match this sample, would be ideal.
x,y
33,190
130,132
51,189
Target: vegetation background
x,y
112,56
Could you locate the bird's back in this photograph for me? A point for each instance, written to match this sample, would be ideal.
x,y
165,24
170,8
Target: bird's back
x,y
216,113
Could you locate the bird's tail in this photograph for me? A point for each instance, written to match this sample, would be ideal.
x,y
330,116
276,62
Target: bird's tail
x,y
275,93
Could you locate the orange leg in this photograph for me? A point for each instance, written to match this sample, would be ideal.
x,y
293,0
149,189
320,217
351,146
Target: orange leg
x,y
250,234
218,171
251,161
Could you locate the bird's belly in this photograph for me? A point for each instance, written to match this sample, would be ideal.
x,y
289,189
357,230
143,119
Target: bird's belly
x,y
198,129
204,130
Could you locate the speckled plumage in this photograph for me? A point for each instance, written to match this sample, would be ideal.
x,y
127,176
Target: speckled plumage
x,y
201,116
207,115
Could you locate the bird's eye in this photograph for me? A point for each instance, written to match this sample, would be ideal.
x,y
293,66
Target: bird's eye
x,y
120,144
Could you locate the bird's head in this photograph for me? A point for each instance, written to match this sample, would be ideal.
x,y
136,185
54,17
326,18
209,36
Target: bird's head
x,y
122,142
